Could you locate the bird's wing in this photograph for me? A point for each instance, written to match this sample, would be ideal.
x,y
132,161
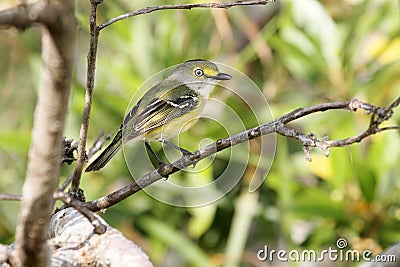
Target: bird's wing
x,y
160,111
131,114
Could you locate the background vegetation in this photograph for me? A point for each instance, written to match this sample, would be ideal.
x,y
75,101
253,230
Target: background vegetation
x,y
299,53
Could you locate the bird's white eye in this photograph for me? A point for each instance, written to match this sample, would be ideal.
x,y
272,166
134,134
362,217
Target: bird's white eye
x,y
198,72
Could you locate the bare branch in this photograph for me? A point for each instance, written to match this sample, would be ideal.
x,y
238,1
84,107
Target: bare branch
x,y
44,160
23,16
17,17
99,228
5,255
93,45
183,6
86,249
352,105
10,197
276,126
98,143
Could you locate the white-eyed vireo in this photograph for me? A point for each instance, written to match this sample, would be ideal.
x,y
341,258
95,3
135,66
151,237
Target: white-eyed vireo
x,y
167,109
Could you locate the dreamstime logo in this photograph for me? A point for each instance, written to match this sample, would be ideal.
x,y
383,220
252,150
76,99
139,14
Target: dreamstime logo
x,y
338,254
341,243
239,104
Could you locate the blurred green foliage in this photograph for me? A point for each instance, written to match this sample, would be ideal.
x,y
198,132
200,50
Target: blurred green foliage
x,y
299,53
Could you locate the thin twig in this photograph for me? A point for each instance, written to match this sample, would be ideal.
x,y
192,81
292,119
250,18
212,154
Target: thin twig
x,y
183,6
98,143
66,183
94,38
276,126
10,197
99,228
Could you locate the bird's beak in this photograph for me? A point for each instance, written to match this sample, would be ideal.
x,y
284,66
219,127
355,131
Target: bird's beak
x,y
222,76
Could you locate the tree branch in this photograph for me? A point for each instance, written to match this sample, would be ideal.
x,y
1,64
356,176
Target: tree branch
x,y
91,71
44,160
183,6
99,227
23,16
10,197
86,249
379,114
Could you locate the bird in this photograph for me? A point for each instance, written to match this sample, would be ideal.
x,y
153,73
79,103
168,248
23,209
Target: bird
x,y
166,110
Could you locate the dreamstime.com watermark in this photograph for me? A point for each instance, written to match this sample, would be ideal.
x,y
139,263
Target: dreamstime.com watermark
x,y
338,254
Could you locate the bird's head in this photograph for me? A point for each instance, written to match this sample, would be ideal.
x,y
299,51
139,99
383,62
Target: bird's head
x,y
198,74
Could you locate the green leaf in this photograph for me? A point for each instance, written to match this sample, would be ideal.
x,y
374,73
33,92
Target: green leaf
x,y
317,203
201,220
175,240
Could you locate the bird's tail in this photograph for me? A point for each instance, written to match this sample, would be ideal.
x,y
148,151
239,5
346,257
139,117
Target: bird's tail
x,y
107,153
